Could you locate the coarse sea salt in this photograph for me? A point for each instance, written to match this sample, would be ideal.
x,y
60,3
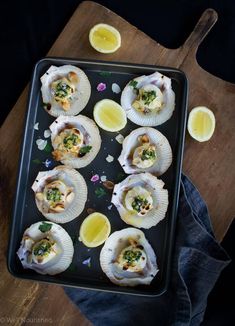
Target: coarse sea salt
x,y
36,126
119,138
41,143
109,158
47,133
116,88
103,178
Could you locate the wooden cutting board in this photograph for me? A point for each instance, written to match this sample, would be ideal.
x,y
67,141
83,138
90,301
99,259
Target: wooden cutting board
x,y
210,165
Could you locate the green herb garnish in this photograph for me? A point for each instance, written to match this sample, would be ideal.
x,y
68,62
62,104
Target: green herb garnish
x,y
100,192
54,195
36,161
62,90
42,248
85,149
133,83
45,227
48,148
148,154
148,97
138,203
70,141
132,256
105,73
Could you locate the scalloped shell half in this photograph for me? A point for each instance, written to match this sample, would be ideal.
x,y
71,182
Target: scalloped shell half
x,y
152,118
159,195
163,151
60,262
71,178
80,97
113,246
91,137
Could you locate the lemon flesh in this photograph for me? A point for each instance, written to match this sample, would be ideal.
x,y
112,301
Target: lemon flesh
x,y
94,230
105,38
201,123
109,115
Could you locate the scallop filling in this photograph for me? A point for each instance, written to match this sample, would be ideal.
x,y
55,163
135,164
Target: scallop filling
x,y
70,140
62,90
149,99
139,200
44,251
56,196
145,155
132,258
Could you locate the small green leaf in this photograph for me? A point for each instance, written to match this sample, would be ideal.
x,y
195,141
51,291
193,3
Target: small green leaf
x,y
100,192
45,227
105,73
48,148
120,176
36,161
85,149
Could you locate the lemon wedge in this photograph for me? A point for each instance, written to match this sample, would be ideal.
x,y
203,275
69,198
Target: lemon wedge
x,y
201,123
95,229
104,38
109,115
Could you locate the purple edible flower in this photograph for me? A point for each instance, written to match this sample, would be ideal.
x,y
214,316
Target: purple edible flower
x,y
101,87
87,262
95,178
47,163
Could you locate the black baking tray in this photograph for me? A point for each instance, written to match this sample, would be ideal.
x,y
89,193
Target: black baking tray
x,y
25,212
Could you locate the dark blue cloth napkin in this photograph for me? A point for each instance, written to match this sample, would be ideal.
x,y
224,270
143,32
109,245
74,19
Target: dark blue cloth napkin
x,y
197,263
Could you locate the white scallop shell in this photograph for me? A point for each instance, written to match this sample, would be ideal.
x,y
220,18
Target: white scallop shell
x,y
113,246
159,196
60,262
163,151
154,118
91,135
80,96
71,178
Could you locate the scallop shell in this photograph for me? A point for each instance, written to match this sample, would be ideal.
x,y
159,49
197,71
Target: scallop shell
x,y
154,118
163,150
91,135
71,178
113,246
80,97
159,196
60,262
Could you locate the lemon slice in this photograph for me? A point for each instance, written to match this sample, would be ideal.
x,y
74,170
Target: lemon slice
x,y
94,230
201,123
105,38
109,115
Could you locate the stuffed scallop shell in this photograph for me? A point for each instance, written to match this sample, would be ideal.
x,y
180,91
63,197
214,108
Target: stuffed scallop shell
x,y
46,248
149,100
65,90
128,259
60,194
76,140
145,150
141,200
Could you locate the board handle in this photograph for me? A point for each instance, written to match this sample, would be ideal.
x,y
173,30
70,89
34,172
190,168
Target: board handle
x,y
204,25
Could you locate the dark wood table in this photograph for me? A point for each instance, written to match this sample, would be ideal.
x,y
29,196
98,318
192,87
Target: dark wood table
x,y
210,165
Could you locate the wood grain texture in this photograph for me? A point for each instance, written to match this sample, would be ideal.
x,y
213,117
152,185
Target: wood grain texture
x,y
210,165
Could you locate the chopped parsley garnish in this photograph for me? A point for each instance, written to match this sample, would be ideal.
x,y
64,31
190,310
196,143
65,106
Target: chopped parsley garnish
x,y
138,203
133,83
42,248
70,141
54,195
148,97
62,90
85,149
132,256
45,227
148,154
100,192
